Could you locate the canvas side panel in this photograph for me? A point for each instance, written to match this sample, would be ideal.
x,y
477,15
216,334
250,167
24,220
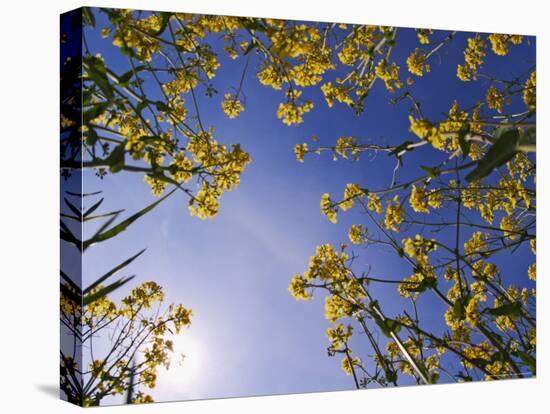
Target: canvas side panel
x,y
71,206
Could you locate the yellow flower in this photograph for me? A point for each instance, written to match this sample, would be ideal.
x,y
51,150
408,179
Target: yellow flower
x,y
232,106
291,113
297,288
473,58
374,203
336,92
351,192
494,99
270,76
510,227
499,42
419,199
416,63
346,146
339,336
389,74
356,234
347,367
300,150
530,91
395,214
475,245
423,34
157,186
205,204
181,168
532,272
327,208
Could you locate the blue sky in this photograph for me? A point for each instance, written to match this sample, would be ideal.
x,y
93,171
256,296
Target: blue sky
x,y
233,271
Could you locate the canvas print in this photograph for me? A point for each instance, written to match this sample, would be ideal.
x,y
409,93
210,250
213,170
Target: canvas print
x,y
253,206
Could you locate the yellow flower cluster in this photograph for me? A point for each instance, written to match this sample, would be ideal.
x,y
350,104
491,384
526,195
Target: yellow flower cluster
x,y
330,266
336,92
473,58
339,335
389,74
356,234
297,288
443,136
423,35
374,203
532,272
157,186
351,192
327,208
494,99
475,245
395,214
232,106
421,198
395,353
138,34
530,92
499,42
270,76
300,150
346,146
348,364
416,62
206,203
290,112
510,226
181,168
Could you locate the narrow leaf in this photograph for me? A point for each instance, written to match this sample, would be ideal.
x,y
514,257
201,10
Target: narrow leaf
x,y
112,272
105,235
90,298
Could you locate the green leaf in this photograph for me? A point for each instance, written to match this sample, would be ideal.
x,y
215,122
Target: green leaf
x,y
426,283
252,24
164,19
99,216
92,137
93,208
69,281
83,194
502,151
68,216
401,147
112,232
529,361
458,310
462,141
112,272
69,294
161,106
94,112
124,79
97,73
116,158
508,309
88,17
105,291
433,172
528,140
73,208
250,47
387,326
68,236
